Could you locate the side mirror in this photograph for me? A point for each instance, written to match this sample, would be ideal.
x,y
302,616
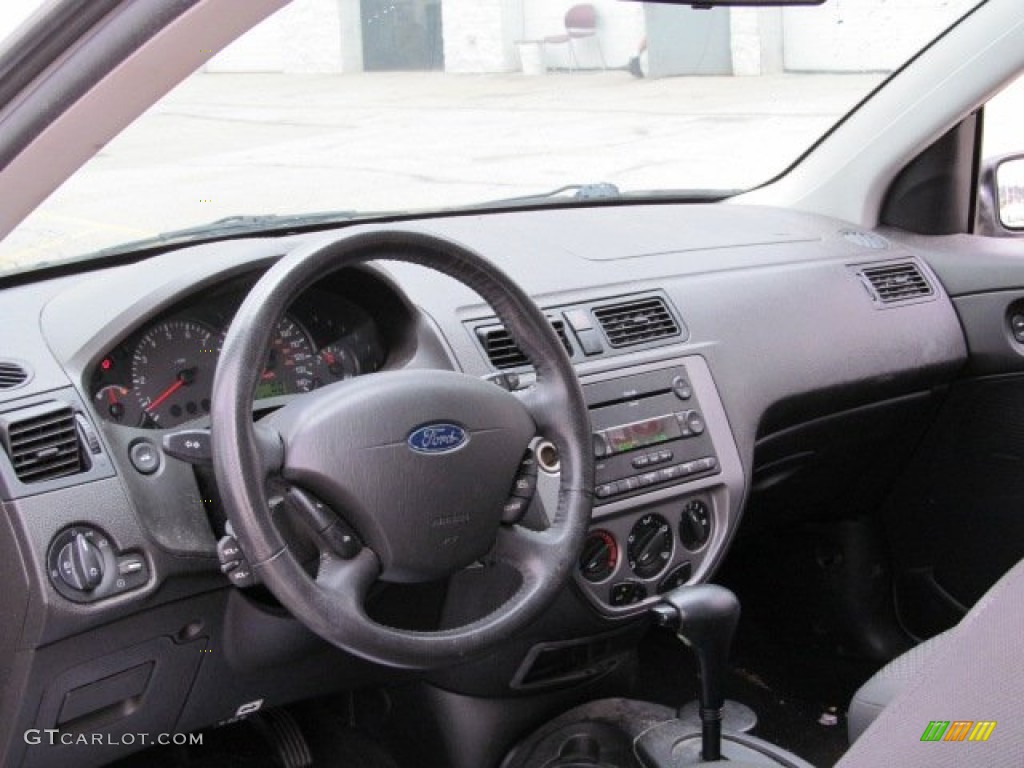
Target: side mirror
x,y
1001,197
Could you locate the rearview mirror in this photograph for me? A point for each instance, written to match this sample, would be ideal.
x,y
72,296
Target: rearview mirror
x,y
1001,197
700,4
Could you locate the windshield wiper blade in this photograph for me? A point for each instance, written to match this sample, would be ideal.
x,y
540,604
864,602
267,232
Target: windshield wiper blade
x,y
230,226
604,190
593,191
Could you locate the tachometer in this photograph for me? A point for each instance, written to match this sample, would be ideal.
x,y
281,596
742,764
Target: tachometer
x,y
172,371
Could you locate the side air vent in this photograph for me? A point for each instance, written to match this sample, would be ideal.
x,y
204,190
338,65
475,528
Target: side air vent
x,y
42,442
12,374
503,352
636,322
894,283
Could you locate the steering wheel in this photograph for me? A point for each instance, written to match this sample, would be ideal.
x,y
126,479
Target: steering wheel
x,y
418,463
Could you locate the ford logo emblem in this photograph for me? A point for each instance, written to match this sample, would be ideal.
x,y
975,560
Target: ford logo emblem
x,y
437,438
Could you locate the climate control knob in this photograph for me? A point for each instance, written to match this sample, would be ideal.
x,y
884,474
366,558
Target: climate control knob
x,y
695,525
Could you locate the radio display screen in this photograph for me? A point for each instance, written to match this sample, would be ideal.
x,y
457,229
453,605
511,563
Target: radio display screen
x,y
641,434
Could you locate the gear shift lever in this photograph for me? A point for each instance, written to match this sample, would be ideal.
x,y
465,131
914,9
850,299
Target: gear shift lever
x,y
704,617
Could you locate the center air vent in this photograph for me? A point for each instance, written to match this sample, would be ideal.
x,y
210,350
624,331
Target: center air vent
x,y
42,442
12,374
636,322
503,352
894,283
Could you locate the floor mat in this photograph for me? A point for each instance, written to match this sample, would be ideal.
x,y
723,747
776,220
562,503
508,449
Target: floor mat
x,y
331,741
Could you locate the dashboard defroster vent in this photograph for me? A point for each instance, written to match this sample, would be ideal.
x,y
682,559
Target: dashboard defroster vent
x,y
636,322
503,352
42,441
894,283
12,374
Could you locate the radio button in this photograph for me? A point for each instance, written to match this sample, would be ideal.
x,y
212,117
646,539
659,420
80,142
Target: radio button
x,y
648,478
682,389
604,491
668,473
641,461
695,422
665,456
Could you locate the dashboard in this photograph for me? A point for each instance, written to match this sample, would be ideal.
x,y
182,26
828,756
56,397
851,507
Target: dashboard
x,y
702,336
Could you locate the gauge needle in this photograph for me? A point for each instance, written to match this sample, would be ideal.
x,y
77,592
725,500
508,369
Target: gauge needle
x,y
185,377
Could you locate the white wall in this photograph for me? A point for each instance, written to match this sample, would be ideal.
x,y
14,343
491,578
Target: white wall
x,y
307,36
862,35
480,35
757,41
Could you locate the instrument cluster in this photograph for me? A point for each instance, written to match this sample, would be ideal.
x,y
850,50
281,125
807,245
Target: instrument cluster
x,y
162,375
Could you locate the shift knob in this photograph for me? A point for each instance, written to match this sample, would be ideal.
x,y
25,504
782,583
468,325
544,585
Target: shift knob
x,y
704,617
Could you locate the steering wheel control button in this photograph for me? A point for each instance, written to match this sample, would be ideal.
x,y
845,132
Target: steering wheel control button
x,y
695,525
524,486
189,445
333,532
627,593
681,388
677,577
144,457
507,380
233,562
514,509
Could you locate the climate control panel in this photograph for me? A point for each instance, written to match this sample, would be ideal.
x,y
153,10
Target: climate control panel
x,y
629,559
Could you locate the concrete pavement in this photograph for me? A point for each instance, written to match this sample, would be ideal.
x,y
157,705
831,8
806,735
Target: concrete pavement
x,y
261,143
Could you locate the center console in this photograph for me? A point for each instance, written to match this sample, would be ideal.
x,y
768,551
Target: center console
x,y
667,487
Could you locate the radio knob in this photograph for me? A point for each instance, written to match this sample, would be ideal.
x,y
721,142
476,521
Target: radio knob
x,y
682,389
600,446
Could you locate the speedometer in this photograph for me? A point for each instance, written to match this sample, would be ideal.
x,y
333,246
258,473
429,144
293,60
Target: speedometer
x,y
290,363
172,371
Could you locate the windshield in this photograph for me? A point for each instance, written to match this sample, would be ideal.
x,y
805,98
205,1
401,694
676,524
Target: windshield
x,y
409,105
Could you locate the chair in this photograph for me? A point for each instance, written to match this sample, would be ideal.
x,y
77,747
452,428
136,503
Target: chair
x,y
580,22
